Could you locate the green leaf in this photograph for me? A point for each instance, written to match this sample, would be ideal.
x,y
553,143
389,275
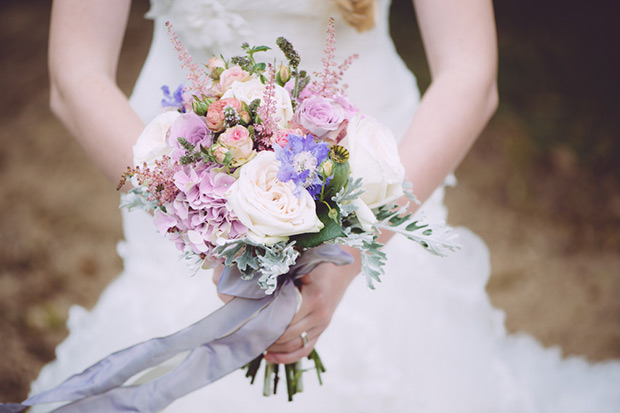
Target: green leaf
x,y
260,49
331,230
260,67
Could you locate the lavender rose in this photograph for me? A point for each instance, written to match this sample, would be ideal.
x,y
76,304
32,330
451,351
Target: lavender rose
x,y
193,129
321,116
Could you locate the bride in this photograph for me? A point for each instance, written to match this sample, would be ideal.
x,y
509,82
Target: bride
x,y
428,339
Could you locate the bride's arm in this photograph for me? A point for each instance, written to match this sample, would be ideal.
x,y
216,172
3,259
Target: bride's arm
x,y
460,42
84,46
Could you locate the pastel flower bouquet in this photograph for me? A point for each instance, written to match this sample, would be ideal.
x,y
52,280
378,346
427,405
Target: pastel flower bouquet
x,y
252,165
253,160
265,171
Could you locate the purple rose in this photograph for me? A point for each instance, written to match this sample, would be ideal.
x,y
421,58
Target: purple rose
x,y
193,129
321,116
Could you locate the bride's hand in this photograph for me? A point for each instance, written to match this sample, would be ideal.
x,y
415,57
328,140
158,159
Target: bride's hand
x,y
217,273
321,291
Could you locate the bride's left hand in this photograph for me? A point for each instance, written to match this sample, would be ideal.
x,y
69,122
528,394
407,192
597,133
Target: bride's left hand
x,y
321,291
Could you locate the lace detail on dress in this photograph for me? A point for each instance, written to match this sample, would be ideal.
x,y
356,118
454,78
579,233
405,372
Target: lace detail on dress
x,y
202,23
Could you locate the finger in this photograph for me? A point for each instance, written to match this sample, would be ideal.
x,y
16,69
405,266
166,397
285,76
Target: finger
x,y
309,324
295,342
224,297
217,273
291,357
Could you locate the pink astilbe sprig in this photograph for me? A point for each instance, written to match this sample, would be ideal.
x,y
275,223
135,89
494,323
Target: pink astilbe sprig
x,y
267,113
158,181
327,83
343,68
201,83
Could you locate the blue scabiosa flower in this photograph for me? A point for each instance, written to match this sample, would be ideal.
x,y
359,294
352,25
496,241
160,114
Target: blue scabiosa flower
x,y
299,162
175,99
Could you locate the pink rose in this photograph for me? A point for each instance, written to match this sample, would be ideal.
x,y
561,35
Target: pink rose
x,y
281,136
215,114
321,116
239,143
231,75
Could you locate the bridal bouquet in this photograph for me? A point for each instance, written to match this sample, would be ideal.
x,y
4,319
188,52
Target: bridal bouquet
x,y
253,164
265,170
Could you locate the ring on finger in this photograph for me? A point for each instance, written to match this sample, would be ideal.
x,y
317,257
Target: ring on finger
x,y
304,338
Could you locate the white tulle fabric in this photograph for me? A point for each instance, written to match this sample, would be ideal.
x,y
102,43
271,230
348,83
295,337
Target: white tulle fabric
x,y
427,340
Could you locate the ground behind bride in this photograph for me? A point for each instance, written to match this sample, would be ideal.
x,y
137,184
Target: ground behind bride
x,y
542,185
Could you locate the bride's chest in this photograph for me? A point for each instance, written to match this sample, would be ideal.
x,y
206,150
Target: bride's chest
x,y
213,8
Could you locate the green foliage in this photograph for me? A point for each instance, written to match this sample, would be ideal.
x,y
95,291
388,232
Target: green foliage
x,y
373,259
248,63
250,257
344,198
137,198
331,229
438,239
274,261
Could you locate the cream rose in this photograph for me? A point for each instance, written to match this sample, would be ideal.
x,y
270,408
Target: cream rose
x,y
374,158
254,89
268,207
151,143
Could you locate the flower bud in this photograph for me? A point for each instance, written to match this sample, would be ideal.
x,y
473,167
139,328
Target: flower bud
x,y
283,75
244,117
340,177
201,106
219,153
325,169
215,67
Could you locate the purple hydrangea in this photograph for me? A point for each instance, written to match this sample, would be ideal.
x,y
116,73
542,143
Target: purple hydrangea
x,y
299,161
199,216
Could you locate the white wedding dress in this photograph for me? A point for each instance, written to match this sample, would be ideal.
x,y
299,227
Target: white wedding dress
x,y
427,340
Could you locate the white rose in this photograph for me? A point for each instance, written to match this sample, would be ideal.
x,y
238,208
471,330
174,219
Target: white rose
x,y
364,214
151,143
254,89
374,158
268,207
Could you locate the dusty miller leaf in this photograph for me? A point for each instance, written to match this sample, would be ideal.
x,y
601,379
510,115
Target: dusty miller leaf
x,y
137,198
438,238
373,259
345,197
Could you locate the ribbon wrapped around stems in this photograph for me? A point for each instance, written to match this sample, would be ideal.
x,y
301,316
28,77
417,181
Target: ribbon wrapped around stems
x,y
220,343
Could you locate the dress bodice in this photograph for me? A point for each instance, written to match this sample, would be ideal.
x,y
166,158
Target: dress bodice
x,y
379,82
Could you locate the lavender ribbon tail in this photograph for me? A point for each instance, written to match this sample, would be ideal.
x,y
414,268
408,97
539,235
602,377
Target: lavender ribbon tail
x,y
218,344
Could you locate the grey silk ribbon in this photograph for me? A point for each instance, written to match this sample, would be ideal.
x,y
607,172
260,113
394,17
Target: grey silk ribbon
x,y
220,343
